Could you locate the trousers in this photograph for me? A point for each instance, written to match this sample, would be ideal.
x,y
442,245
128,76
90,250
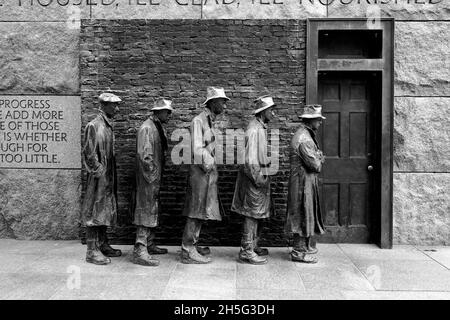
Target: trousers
x,y
191,234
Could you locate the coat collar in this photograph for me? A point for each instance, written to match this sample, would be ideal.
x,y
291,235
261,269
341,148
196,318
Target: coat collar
x,y
105,118
162,133
311,132
154,118
210,114
259,120
157,124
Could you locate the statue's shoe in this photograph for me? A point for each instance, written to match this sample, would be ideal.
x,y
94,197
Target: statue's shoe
x,y
252,259
307,250
156,250
108,251
203,250
303,257
312,250
194,258
141,257
96,257
261,251
145,260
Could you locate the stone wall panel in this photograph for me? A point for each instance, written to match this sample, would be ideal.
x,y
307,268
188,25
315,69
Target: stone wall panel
x,y
39,57
150,9
44,10
422,58
421,208
39,204
422,134
264,9
398,9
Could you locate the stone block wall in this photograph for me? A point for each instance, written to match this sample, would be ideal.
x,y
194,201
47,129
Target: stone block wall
x,y
422,132
39,58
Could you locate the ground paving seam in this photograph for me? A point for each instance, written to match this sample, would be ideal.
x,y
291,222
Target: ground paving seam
x,y
425,253
359,270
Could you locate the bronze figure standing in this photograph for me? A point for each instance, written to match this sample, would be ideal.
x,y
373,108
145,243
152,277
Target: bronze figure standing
x,y
304,218
99,208
252,192
201,199
151,148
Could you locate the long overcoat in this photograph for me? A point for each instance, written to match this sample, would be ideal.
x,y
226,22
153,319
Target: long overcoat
x,y
303,210
100,201
151,145
202,201
252,192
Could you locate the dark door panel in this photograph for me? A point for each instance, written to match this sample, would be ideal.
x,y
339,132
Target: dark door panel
x,y
349,102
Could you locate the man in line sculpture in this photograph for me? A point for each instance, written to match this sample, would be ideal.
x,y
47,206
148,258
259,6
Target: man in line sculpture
x,y
202,202
100,202
151,148
252,192
304,217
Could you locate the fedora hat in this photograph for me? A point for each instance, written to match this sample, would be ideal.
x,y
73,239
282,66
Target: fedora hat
x,y
312,111
162,104
215,93
109,97
263,103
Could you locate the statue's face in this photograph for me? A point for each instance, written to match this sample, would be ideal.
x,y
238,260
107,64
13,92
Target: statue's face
x,y
110,109
217,106
163,115
315,123
268,115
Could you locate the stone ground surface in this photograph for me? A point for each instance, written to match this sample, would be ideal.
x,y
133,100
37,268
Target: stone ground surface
x,y
48,269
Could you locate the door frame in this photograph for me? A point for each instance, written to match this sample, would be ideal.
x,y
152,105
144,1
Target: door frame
x,y
385,65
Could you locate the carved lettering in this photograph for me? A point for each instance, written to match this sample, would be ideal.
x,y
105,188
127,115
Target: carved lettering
x,y
40,132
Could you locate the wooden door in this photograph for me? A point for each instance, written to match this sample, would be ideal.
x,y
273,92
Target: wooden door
x,y
347,138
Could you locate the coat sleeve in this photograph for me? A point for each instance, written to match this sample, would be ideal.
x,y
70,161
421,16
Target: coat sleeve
x,y
311,156
92,163
255,156
202,155
146,154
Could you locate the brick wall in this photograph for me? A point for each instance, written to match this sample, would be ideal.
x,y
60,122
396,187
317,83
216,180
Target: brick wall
x,y
178,59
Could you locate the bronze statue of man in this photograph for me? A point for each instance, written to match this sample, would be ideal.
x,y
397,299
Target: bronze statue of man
x,y
304,219
202,202
151,148
99,209
252,192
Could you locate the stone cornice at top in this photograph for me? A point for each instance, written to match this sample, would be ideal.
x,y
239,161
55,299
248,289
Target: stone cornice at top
x,y
70,10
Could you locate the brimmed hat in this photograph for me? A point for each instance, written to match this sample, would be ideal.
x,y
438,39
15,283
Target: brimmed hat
x,y
109,97
162,104
263,103
312,111
215,93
